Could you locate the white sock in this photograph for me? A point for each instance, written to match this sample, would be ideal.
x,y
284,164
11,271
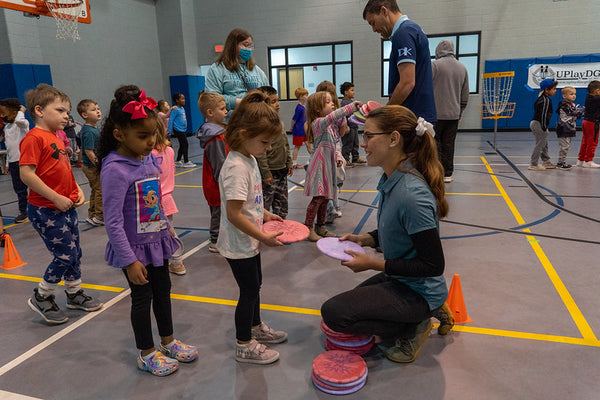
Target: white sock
x,y
73,287
46,288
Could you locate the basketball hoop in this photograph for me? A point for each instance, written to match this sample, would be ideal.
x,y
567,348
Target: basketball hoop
x,y
65,13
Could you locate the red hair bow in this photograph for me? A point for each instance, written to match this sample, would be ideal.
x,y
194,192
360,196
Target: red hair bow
x,y
136,108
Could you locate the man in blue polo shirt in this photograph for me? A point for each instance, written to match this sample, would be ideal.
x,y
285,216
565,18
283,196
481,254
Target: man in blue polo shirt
x,y
410,82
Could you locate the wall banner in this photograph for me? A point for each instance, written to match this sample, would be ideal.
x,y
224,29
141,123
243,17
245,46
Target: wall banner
x,y
577,75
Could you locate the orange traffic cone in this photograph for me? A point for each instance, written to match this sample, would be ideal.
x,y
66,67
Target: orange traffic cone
x,y
11,256
456,302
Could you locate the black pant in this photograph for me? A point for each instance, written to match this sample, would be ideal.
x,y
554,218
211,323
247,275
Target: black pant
x,y
248,275
381,305
155,293
350,145
19,187
183,145
445,135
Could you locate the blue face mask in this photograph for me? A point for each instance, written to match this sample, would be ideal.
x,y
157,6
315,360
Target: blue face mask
x,y
245,54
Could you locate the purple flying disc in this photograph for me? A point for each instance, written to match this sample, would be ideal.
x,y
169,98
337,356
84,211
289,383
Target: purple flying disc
x,y
334,247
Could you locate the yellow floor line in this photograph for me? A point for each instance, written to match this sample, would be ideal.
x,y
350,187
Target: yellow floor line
x,y
309,311
188,171
580,321
188,186
474,194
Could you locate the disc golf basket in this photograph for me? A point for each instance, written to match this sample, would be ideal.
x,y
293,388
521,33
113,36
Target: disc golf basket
x,y
496,92
65,13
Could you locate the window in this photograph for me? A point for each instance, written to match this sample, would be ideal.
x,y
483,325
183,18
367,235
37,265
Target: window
x,y
306,66
467,47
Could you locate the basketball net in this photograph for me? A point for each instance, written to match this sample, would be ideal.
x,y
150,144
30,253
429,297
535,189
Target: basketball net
x,y
65,14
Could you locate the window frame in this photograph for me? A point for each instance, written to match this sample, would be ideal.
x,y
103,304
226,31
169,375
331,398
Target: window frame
x,y
287,65
456,38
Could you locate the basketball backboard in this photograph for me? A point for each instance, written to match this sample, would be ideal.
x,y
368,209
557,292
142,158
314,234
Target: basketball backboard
x,y
38,7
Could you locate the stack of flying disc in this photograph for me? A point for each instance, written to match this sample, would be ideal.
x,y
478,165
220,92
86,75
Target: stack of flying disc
x,y
360,116
339,372
358,345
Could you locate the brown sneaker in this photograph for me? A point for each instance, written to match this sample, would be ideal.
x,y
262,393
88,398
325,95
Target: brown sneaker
x,y
407,350
323,232
312,236
444,315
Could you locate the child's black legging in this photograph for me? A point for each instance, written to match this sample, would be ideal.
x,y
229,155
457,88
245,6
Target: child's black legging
x,y
183,145
156,294
248,275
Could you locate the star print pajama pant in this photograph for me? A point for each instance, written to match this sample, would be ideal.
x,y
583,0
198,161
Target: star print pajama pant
x,y
60,233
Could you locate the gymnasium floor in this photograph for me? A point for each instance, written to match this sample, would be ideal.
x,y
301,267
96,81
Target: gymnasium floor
x,y
531,297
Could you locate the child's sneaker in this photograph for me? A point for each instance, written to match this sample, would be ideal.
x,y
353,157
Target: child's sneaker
x,y
337,211
264,334
323,232
47,308
313,236
563,165
255,353
158,364
188,164
549,165
212,247
97,221
579,163
22,217
177,269
180,351
90,220
82,301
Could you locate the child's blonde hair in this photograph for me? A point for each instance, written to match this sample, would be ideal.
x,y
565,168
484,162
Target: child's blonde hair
x,y
567,89
251,118
208,101
43,95
327,86
300,92
162,141
314,106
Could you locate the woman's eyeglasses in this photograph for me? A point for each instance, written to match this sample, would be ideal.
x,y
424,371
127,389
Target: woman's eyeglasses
x,y
249,46
369,135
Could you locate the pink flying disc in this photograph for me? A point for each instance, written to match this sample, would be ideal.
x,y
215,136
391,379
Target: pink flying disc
x,y
334,247
360,350
338,387
341,337
372,105
292,231
339,367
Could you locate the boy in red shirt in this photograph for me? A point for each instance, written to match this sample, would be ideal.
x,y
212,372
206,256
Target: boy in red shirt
x,y
53,196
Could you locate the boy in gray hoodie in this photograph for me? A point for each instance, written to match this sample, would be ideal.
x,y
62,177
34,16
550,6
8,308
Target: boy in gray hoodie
x,y
451,92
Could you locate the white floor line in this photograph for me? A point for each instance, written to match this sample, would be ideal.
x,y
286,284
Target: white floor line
x,y
295,186
34,350
15,396
195,249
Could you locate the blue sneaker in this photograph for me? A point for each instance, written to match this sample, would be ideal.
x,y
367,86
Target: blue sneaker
x,y
158,364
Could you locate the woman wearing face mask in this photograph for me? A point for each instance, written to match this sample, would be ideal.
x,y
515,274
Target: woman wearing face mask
x,y
235,73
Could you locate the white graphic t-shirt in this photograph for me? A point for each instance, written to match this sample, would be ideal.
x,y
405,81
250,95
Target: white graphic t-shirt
x,y
240,179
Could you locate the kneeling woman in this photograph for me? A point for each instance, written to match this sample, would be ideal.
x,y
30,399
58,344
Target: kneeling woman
x,y
398,302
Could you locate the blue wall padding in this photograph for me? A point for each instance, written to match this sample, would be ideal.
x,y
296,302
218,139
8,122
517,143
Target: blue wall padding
x,y
16,79
189,86
524,97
